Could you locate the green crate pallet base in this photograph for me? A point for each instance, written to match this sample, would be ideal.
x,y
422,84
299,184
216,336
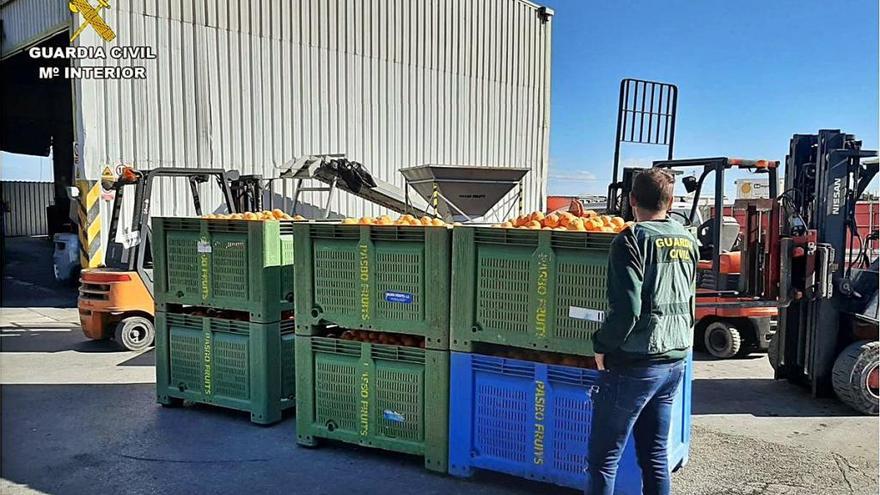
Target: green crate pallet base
x,y
227,363
379,278
527,288
235,265
382,396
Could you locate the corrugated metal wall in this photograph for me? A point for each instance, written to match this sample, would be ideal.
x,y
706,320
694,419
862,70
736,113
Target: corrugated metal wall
x,y
27,202
28,21
391,83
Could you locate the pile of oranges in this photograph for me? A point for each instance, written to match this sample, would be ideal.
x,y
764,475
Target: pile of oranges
x,y
588,222
381,338
402,220
275,214
547,357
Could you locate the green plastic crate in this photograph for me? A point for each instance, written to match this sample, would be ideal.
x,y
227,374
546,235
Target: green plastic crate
x,y
226,264
383,278
532,289
383,396
229,363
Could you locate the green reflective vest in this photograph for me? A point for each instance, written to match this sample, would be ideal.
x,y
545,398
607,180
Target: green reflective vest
x,y
652,270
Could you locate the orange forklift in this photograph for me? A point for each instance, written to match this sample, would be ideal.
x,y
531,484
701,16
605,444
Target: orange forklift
x,y
736,303
116,299
736,298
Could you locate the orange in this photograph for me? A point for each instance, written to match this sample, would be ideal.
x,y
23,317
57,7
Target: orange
x,y
506,225
617,221
349,221
250,216
565,219
426,220
277,213
536,216
534,224
365,221
551,220
438,223
589,214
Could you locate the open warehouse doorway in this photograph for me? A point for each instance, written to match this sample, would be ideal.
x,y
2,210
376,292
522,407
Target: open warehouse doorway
x,y
37,119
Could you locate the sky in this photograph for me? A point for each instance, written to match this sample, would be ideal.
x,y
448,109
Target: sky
x,y
25,167
749,73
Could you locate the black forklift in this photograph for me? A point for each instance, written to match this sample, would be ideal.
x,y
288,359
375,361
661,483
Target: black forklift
x,y
828,320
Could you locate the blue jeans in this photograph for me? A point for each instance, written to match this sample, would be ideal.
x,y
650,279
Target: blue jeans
x,y
637,400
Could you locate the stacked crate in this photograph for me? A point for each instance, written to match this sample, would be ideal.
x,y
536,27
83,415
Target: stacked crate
x,y
518,293
389,392
224,301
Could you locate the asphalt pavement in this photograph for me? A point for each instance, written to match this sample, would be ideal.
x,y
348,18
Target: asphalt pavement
x,y
80,417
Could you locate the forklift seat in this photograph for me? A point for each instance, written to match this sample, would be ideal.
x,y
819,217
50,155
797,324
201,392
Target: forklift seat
x,y
729,263
729,236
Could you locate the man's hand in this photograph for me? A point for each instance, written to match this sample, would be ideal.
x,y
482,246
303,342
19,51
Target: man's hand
x,y
600,361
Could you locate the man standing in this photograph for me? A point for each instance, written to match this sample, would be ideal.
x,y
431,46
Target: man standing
x,y
645,338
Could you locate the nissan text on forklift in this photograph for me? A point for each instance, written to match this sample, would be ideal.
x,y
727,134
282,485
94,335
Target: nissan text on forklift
x,y
116,299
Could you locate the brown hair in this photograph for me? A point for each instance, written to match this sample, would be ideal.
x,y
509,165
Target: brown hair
x,y
652,189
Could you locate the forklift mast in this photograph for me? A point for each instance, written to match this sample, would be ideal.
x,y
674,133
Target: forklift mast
x,y
130,250
247,193
646,113
825,176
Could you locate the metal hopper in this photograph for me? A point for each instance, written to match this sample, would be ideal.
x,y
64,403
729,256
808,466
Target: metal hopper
x,y
462,192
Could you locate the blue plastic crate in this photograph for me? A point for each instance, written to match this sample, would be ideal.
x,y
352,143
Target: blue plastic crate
x,y
498,422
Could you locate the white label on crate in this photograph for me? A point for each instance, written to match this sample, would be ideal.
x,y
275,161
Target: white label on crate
x,y
393,416
586,314
203,247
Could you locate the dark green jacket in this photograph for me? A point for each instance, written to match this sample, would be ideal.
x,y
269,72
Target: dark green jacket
x,y
652,270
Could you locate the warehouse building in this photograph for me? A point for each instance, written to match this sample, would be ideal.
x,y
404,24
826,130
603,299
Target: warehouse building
x,y
252,85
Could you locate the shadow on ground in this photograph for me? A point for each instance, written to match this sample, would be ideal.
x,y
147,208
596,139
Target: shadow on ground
x,y
146,358
116,439
761,397
52,340
702,356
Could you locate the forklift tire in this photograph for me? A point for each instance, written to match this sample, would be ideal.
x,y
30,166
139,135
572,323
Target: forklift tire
x,y
134,333
854,376
773,351
722,340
